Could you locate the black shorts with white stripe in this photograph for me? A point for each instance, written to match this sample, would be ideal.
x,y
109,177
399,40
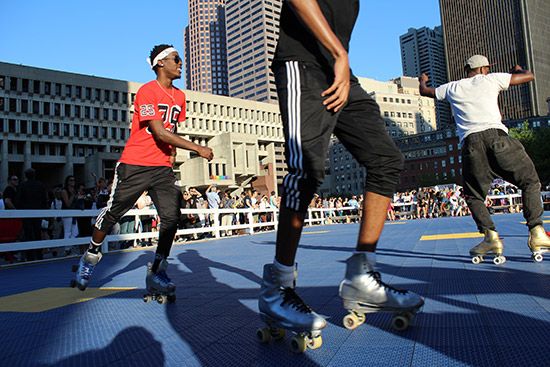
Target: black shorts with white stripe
x,y
308,127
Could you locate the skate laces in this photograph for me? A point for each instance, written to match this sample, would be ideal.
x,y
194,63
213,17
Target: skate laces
x,y
378,278
291,298
86,270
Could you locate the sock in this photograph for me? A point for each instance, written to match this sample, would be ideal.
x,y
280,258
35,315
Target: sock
x,y
286,274
94,247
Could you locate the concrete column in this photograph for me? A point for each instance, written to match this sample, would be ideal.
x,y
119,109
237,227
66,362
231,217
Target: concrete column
x,y
27,163
4,164
68,168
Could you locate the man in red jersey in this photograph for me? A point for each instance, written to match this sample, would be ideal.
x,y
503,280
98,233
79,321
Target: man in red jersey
x,y
146,165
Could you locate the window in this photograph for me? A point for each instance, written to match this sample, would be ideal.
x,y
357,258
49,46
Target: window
x,y
13,83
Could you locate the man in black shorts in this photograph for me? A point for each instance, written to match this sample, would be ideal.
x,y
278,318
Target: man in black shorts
x,y
319,96
146,165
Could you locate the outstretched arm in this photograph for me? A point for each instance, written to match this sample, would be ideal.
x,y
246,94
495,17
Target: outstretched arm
x,y
161,134
424,89
520,76
310,14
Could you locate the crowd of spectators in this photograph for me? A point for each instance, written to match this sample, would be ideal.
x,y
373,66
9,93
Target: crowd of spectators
x,y
428,202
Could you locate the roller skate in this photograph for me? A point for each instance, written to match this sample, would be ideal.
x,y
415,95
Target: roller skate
x,y
83,271
363,292
539,243
490,244
282,309
159,287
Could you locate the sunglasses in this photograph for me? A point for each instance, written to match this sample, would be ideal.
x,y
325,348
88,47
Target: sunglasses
x,y
176,59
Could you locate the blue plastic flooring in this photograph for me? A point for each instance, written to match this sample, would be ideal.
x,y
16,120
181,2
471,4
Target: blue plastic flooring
x,y
475,315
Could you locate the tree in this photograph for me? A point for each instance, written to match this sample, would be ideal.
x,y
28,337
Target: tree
x,y
537,145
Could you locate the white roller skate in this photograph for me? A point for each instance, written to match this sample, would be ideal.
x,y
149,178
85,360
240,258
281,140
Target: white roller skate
x,y
491,244
159,287
538,243
363,292
83,271
282,309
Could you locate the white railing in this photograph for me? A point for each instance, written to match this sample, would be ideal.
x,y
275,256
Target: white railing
x,y
216,228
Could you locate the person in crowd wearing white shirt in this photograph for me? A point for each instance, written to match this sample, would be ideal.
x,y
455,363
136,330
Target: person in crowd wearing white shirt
x,y
489,152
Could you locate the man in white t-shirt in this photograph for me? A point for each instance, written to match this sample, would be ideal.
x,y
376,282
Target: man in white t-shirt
x,y
488,152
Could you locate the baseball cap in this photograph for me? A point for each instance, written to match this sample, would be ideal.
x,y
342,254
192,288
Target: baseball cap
x,y
477,61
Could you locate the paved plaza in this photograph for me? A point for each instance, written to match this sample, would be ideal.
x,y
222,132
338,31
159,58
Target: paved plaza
x,y
475,315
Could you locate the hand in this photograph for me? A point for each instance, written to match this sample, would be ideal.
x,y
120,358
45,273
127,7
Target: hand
x,y
172,160
338,92
516,69
423,78
206,153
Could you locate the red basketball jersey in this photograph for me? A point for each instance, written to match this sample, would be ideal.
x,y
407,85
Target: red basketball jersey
x,y
153,102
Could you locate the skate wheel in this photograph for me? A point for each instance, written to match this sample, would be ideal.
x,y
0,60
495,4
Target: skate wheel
x,y
352,321
537,258
264,335
498,260
477,259
81,287
74,268
315,342
73,283
400,322
277,333
298,344
171,298
146,298
161,299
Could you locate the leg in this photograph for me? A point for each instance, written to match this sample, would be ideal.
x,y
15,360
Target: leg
x,y
164,194
514,165
129,183
478,175
361,129
307,126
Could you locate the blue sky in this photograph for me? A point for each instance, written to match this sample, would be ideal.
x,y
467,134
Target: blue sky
x,y
113,38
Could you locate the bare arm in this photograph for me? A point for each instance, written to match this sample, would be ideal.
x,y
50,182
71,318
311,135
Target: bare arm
x,y
520,76
423,88
310,14
161,134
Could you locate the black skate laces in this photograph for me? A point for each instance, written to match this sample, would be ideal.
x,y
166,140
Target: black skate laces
x,y
376,275
292,299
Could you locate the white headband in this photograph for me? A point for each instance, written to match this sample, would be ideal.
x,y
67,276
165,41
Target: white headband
x,y
160,56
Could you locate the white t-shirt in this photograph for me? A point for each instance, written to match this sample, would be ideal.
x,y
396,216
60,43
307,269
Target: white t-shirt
x,y
474,102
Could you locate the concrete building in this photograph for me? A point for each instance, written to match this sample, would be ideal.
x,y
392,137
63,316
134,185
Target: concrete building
x,y
252,34
64,123
422,51
205,47
508,32
403,109
405,112
430,158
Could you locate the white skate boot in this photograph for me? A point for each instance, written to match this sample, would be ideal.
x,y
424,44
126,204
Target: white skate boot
x,y
282,309
363,292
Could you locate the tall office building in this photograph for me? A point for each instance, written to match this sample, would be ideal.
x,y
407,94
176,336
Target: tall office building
x,y
205,47
422,51
252,34
508,32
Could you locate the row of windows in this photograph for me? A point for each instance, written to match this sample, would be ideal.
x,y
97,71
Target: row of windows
x,y
391,100
63,90
236,127
56,129
62,110
57,150
232,112
398,114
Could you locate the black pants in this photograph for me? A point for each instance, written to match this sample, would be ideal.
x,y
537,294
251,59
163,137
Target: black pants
x,y
129,183
308,127
490,154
